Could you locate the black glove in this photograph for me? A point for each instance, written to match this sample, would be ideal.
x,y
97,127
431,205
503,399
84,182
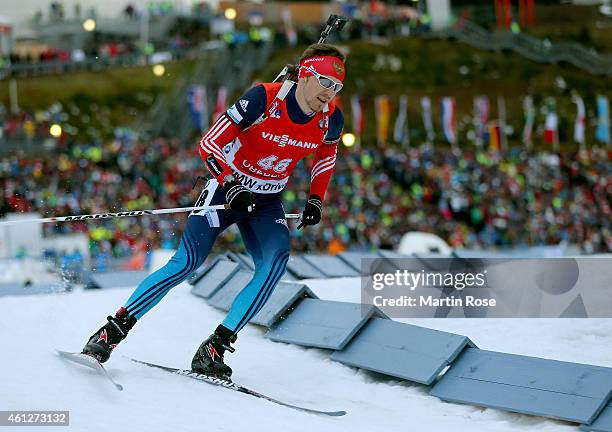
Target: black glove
x,y
238,197
312,211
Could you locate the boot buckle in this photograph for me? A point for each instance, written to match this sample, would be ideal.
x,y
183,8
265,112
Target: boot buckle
x,y
228,348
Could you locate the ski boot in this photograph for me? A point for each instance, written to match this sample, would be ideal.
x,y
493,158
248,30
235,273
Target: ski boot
x,y
102,343
208,360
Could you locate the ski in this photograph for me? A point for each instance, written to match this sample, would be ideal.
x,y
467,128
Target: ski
x,y
90,362
233,386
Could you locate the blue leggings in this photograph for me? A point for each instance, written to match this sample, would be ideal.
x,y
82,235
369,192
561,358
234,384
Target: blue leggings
x,y
265,235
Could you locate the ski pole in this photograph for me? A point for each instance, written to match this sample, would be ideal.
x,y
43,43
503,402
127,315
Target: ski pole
x,y
126,214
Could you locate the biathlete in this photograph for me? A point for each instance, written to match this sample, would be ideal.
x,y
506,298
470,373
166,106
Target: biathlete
x,y
250,151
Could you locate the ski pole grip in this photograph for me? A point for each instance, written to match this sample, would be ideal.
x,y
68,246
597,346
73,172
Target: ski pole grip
x,y
337,21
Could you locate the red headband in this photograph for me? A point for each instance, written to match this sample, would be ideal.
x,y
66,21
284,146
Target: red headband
x,y
324,65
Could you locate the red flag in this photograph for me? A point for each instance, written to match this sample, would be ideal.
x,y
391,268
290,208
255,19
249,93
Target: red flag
x,y
357,115
551,124
221,104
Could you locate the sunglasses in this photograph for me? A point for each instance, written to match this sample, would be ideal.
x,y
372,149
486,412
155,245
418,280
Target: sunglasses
x,y
326,82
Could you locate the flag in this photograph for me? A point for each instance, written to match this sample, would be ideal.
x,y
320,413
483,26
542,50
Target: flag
x,y
529,112
196,100
383,111
426,114
357,116
551,124
221,104
400,131
448,120
290,31
602,133
580,123
494,136
481,117
501,110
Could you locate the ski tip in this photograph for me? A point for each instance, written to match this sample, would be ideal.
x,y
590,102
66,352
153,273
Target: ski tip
x,y
72,354
141,361
67,354
336,413
118,386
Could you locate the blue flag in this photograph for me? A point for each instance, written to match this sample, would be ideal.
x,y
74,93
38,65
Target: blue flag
x,y
196,100
602,133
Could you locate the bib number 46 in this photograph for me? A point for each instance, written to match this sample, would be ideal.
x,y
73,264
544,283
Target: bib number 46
x,y
270,163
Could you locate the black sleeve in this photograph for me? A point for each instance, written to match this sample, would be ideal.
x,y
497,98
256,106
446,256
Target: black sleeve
x,y
249,107
336,125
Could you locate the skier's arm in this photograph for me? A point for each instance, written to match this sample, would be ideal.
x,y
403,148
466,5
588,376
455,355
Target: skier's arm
x,y
242,114
325,156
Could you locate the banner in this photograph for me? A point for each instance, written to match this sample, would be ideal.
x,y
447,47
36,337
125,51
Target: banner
x,y
481,118
400,131
529,111
602,133
426,114
580,122
196,100
448,120
383,113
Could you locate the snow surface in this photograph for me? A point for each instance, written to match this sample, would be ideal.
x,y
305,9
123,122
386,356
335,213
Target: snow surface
x,y
28,269
33,377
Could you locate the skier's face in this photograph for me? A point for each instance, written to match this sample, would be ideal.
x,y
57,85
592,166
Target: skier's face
x,y
315,95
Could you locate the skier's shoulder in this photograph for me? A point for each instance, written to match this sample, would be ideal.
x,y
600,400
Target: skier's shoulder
x,y
255,96
249,106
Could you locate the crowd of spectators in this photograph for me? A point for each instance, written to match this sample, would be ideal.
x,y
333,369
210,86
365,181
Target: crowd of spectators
x,y
470,199
511,199
119,175
23,126
475,200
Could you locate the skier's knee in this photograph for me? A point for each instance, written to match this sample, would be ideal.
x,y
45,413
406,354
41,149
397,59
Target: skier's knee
x,y
180,260
277,261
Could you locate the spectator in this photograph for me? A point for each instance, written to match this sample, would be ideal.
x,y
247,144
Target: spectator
x,y
471,199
